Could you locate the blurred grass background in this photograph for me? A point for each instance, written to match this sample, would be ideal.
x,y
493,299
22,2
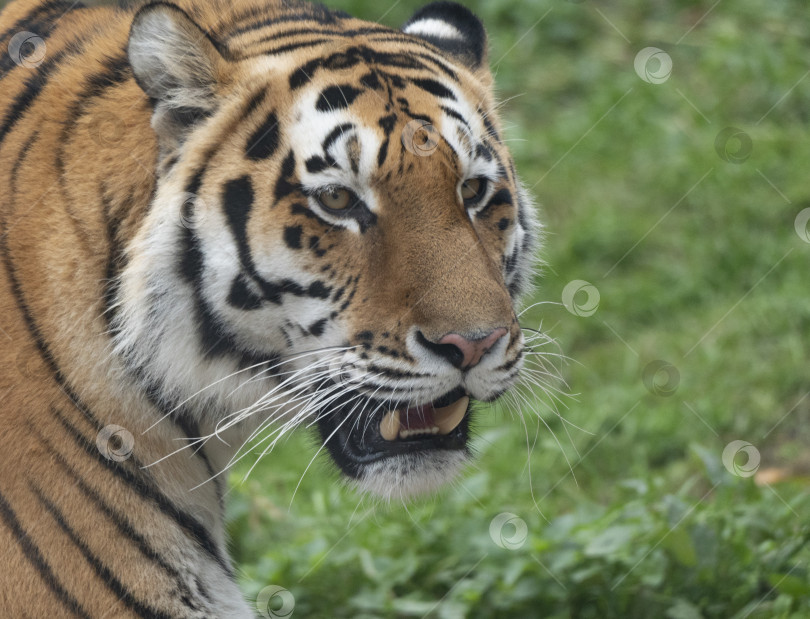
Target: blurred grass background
x,y
689,239
635,514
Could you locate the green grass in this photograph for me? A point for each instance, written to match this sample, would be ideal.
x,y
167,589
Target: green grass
x,y
645,521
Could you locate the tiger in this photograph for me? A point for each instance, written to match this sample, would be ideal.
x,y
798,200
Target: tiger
x,y
222,221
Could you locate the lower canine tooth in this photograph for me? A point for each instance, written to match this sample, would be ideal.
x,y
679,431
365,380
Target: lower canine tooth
x,y
389,426
448,417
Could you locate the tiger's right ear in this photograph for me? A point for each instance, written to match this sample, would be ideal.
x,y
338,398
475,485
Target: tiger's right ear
x,y
179,66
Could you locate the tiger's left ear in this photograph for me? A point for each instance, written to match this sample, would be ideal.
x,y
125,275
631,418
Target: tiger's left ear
x,y
454,29
178,66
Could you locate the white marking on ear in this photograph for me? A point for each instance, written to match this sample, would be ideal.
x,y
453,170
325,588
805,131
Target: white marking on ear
x,y
432,27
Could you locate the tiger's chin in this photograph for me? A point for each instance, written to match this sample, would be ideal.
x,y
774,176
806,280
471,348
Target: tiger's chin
x,y
399,451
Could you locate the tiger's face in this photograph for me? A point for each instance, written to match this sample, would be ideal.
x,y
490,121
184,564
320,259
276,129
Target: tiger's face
x,y
337,239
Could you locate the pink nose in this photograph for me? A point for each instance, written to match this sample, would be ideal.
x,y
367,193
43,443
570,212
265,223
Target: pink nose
x,y
472,351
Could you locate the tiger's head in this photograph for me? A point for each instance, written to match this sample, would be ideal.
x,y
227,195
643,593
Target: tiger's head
x,y
337,237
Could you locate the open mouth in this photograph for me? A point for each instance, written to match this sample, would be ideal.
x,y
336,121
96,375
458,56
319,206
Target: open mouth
x,y
384,430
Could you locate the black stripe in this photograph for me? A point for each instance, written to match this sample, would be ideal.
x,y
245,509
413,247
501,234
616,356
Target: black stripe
x,y
491,130
121,522
285,48
263,142
335,134
435,88
36,335
284,187
454,114
102,571
146,487
33,555
344,34
351,57
237,202
318,13
316,164
43,13
32,87
115,260
432,56
337,97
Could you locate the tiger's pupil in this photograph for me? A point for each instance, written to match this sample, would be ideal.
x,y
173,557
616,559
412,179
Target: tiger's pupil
x,y
336,199
470,188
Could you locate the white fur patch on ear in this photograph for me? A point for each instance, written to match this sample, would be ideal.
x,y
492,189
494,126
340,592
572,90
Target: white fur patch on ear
x,y
432,27
169,52
177,65
452,28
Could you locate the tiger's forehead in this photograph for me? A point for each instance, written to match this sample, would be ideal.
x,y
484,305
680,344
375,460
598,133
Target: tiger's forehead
x,y
349,105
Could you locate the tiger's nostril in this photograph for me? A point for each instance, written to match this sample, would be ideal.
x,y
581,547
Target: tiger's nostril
x,y
460,351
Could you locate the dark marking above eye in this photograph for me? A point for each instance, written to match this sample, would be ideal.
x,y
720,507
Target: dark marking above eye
x,y
435,88
263,143
292,236
335,135
316,164
337,97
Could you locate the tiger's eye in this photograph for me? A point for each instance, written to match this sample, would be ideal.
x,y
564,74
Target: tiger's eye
x,y
471,188
336,199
